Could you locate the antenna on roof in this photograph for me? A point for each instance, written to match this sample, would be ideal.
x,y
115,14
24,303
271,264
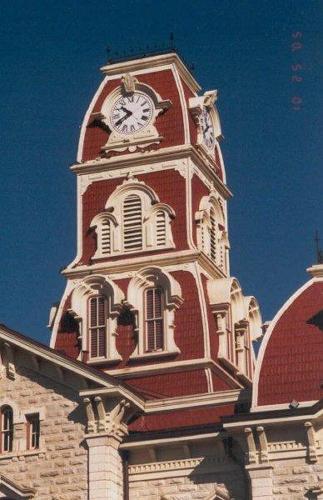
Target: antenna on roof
x,y
319,252
171,41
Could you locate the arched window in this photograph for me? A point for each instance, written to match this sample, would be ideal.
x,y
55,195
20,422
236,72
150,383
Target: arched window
x,y
154,296
154,321
133,220
97,326
132,223
6,429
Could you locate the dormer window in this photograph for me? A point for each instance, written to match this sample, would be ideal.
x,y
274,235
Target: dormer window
x,y
154,322
133,221
154,296
6,424
97,326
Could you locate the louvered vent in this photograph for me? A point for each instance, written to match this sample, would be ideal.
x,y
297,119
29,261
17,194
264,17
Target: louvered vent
x,y
132,223
106,237
213,236
97,326
161,228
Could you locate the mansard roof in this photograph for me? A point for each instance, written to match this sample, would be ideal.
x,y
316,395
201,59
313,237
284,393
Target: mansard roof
x,y
290,361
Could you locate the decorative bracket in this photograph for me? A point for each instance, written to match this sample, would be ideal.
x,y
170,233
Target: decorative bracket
x,y
9,355
311,441
263,444
108,416
252,452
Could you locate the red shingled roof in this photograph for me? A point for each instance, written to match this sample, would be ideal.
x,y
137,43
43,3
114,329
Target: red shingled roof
x,y
291,360
181,418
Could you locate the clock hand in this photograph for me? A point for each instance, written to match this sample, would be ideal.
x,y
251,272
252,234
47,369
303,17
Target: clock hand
x,y
129,113
123,118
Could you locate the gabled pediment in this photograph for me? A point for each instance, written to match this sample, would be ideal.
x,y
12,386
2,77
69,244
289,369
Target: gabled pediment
x,y
12,491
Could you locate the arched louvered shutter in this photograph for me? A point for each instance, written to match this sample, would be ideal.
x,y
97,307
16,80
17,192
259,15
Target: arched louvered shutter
x,y
213,235
106,237
132,223
154,323
97,326
160,228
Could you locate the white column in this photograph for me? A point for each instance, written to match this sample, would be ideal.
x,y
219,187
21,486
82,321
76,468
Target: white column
x,y
261,481
105,468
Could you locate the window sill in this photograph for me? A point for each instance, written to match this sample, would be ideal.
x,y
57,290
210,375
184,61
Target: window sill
x,y
125,253
153,354
19,454
102,361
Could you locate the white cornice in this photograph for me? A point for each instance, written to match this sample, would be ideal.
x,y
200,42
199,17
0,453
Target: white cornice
x,y
134,65
180,402
168,440
170,366
128,162
132,264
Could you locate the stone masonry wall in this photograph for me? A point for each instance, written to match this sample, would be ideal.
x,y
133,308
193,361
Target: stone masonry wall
x,y
190,487
294,477
58,470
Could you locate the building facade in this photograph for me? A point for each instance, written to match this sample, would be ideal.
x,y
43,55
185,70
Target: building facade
x,y
150,388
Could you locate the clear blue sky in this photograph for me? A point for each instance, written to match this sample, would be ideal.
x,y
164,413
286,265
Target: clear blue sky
x,y
50,55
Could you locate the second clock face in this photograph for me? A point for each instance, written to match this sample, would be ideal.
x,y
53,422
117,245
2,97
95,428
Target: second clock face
x,y
207,129
131,113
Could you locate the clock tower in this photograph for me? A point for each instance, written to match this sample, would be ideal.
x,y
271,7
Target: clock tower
x,y
149,296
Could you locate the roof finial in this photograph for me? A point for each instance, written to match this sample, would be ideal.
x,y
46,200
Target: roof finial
x,y
319,252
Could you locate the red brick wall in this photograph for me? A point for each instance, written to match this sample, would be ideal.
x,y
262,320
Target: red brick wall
x,y
171,384
181,419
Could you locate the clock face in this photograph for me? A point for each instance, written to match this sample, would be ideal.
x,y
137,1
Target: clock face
x,y
207,129
131,113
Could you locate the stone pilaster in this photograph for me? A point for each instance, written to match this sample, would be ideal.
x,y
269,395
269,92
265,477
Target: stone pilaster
x,y
261,481
107,426
105,468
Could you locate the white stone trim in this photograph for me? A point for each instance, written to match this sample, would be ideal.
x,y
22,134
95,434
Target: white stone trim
x,y
130,161
86,118
148,64
183,104
177,468
134,445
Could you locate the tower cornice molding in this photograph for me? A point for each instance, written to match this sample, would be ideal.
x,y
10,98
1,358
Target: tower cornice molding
x,y
174,259
147,63
131,162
